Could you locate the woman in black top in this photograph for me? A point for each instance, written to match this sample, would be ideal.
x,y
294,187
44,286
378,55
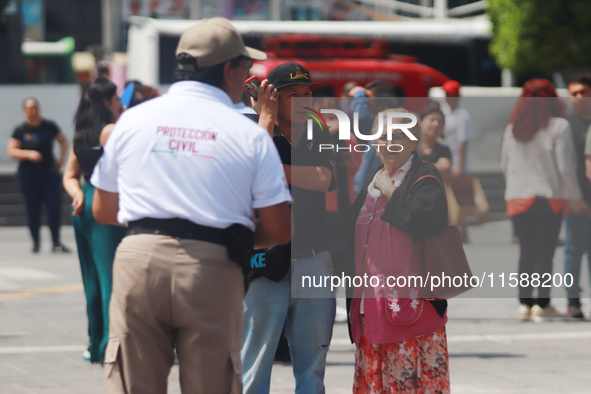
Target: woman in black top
x,y
99,108
432,123
38,171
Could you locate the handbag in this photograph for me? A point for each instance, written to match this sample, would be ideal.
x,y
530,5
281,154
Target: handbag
x,y
443,256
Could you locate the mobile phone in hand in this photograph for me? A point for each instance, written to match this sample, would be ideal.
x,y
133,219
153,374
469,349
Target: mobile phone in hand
x,y
251,86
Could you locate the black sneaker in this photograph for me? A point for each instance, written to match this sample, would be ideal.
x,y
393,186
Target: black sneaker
x,y
574,309
575,312
61,248
36,247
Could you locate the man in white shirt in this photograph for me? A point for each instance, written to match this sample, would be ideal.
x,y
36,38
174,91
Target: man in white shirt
x,y
185,172
458,128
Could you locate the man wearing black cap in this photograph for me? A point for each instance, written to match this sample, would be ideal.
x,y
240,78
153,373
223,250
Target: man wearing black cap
x,y
185,171
274,302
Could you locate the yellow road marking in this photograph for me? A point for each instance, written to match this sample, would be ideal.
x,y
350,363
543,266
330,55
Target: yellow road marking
x,y
46,290
40,262
42,349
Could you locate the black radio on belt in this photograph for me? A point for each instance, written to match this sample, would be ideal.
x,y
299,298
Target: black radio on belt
x,y
238,239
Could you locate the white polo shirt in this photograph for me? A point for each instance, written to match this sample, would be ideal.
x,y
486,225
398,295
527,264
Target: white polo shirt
x,y
243,109
458,129
189,154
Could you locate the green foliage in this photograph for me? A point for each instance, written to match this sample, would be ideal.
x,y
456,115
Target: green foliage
x,y
541,36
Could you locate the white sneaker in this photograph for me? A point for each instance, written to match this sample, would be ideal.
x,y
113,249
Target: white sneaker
x,y
548,313
524,312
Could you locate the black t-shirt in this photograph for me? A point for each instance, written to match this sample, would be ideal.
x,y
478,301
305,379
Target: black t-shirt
x,y
579,127
281,143
283,147
39,138
278,258
309,207
438,151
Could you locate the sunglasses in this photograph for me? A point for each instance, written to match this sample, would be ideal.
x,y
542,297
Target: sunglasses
x,y
248,63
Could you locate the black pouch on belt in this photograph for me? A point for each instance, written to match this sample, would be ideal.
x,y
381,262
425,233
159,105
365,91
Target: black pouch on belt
x,y
240,245
272,263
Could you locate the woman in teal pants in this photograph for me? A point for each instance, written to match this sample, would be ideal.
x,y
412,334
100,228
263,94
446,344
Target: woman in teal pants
x,y
99,108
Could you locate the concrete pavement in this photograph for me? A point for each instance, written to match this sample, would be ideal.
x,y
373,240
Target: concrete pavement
x,y
43,330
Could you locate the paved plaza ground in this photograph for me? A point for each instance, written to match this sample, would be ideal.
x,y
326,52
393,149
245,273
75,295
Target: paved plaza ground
x,y
43,330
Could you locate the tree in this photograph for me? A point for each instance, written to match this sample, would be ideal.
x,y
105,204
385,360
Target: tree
x,y
541,36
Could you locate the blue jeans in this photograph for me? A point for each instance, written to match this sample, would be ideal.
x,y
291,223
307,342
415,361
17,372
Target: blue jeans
x,y
308,323
578,242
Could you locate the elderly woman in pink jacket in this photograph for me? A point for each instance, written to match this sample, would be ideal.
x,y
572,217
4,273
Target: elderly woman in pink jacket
x,y
400,339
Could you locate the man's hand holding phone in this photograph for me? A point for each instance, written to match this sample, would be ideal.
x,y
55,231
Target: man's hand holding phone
x,y
267,101
252,85
266,105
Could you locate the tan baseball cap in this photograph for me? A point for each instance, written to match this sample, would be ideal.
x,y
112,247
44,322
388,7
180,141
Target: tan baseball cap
x,y
215,41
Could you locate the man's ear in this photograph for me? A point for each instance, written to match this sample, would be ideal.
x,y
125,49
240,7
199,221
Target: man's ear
x,y
227,73
227,69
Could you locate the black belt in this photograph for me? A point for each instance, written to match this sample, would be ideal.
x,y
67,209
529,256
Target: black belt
x,y
178,228
238,239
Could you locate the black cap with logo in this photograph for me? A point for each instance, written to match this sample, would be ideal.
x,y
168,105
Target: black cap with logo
x,y
289,74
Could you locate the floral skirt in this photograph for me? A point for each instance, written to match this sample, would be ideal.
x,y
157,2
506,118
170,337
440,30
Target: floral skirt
x,y
415,366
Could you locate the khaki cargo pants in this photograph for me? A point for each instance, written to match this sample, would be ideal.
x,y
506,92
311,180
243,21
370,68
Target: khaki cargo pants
x,y
169,292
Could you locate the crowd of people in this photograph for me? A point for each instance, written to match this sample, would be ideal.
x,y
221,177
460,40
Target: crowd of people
x,y
199,251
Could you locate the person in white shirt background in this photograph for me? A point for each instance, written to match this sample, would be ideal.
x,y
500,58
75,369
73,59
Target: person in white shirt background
x,y
458,128
539,162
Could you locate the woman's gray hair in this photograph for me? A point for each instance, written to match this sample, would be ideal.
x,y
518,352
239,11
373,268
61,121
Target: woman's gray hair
x,y
415,130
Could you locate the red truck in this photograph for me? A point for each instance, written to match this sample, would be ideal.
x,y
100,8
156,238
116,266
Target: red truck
x,y
336,61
